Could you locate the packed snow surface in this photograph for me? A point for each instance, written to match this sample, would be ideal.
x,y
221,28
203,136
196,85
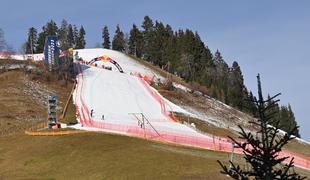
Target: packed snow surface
x,y
114,97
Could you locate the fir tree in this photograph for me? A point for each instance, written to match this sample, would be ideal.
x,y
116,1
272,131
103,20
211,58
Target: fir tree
x,y
31,41
71,41
50,28
75,35
170,54
63,35
292,120
40,42
148,37
80,43
135,41
262,151
106,38
221,76
157,44
118,42
236,88
126,43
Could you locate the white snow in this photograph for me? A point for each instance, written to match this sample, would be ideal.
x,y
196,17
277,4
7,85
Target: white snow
x,y
128,64
22,57
116,95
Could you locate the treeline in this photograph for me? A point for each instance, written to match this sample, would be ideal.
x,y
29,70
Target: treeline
x,y
70,36
283,116
183,53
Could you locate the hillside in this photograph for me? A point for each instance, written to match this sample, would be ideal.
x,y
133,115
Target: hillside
x,y
143,158
105,156
23,97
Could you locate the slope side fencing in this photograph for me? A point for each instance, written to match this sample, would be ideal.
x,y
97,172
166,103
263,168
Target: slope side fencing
x,y
215,144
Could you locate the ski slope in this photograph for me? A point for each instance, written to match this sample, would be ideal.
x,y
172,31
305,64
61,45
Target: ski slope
x,y
124,103
120,96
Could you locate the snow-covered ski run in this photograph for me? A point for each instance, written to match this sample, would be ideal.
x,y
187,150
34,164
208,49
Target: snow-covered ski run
x,y
124,103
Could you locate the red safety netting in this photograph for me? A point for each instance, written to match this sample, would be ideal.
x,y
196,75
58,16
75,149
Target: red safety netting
x,y
158,98
211,143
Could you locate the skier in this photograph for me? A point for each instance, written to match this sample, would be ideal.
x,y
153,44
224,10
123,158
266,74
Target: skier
x,y
102,117
91,113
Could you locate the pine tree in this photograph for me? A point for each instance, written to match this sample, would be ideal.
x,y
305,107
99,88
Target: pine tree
x,y
71,41
118,42
40,43
126,43
148,37
80,43
262,151
31,41
185,66
293,122
157,44
106,38
75,35
287,119
50,28
236,87
250,105
135,41
170,53
221,75
63,35
284,115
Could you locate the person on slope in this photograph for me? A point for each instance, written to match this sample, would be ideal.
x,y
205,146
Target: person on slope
x,y
91,113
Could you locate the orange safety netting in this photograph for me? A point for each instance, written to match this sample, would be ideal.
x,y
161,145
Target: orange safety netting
x,y
211,143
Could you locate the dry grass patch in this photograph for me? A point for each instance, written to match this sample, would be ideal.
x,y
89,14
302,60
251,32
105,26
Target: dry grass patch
x,y
23,100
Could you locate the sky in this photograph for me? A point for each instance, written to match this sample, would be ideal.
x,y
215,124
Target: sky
x,y
270,37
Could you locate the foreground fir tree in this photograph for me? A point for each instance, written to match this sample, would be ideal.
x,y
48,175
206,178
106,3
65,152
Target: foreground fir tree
x,y
262,151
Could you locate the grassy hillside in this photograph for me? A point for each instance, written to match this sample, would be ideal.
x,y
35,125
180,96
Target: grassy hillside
x,y
102,156
23,99
89,155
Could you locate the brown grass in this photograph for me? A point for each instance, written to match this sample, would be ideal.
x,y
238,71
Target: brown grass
x,y
103,156
20,110
106,156
206,127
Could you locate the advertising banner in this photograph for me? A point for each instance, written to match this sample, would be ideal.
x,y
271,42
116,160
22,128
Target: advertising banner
x,y
51,52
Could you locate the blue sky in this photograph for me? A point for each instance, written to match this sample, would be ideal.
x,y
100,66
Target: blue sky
x,y
267,37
